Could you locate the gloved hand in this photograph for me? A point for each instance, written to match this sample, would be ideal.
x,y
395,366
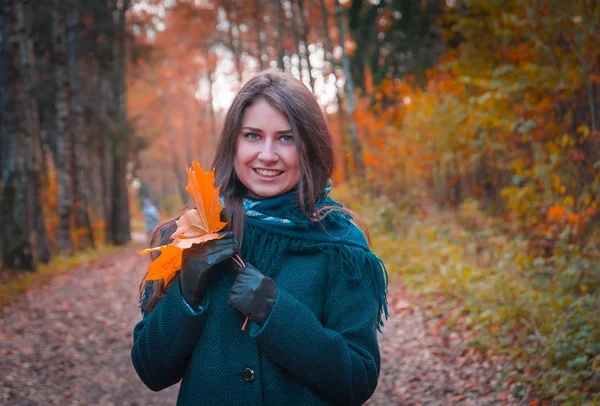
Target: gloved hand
x,y
253,294
199,262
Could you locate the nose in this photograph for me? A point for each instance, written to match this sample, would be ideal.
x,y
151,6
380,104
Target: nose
x,y
268,153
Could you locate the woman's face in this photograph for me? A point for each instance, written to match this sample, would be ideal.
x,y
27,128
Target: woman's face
x,y
266,161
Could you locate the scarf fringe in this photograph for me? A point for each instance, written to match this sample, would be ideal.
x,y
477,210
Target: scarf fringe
x,y
267,252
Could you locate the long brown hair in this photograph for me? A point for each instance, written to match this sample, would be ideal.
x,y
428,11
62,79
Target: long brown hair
x,y
314,144
311,134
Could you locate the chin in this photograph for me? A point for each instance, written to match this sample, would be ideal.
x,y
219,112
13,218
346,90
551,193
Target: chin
x,y
265,193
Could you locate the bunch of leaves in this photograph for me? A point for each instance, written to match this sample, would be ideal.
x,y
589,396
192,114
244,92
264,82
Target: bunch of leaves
x,y
194,227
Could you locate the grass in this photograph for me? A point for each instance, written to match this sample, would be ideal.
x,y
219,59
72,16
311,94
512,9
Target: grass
x,y
17,282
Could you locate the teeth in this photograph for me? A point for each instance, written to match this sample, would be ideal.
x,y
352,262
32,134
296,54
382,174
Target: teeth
x,y
265,172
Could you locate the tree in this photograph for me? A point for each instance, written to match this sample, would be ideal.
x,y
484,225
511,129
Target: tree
x,y
304,38
16,228
394,38
356,147
277,12
119,227
32,130
260,46
79,153
64,137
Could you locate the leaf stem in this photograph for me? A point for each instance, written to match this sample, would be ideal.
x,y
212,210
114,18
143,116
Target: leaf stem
x,y
238,260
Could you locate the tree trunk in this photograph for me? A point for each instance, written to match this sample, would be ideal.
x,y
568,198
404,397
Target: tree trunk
x,y
80,195
258,24
294,27
330,61
233,37
342,141
356,147
211,107
32,130
304,36
108,179
329,49
189,148
104,163
278,33
116,142
105,158
120,193
63,130
16,229
171,137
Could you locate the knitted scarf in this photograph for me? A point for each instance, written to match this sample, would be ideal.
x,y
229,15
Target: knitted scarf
x,y
277,226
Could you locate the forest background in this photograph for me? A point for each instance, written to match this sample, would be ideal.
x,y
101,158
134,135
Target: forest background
x,y
485,109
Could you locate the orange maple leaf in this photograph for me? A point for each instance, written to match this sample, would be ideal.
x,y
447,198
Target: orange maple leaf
x,y
166,265
185,243
201,187
195,226
189,225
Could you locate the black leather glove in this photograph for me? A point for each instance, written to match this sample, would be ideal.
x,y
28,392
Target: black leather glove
x,y
199,262
253,294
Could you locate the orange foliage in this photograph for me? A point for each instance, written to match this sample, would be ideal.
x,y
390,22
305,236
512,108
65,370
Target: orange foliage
x,y
521,53
556,212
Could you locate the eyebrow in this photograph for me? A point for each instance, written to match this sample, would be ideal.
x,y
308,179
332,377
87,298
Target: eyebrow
x,y
258,130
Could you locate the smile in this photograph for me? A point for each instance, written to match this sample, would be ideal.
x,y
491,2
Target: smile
x,y
267,172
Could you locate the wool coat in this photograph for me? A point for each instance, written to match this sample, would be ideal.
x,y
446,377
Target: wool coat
x,y
318,346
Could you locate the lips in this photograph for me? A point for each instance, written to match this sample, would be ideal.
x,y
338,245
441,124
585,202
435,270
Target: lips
x,y
267,173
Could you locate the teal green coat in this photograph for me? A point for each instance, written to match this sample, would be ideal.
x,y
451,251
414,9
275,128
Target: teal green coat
x,y
318,346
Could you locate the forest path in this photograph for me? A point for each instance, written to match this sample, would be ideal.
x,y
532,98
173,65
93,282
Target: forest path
x,y
68,343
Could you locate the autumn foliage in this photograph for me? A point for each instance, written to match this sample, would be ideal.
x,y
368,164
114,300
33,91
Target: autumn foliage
x,y
506,132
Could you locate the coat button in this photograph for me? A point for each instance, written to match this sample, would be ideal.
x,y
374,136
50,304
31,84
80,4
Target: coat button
x,y
248,375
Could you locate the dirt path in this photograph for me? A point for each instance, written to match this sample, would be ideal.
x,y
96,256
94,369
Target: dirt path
x,y
68,343
424,363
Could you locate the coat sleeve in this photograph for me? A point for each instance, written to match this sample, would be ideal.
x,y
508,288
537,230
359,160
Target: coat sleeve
x,y
164,340
337,357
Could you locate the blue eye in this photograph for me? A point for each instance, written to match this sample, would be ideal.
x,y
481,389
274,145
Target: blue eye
x,y
252,136
287,138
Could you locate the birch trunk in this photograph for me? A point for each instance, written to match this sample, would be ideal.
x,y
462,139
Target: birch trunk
x,y
330,62
259,42
171,137
304,37
294,27
356,147
277,12
188,136
233,37
211,107
329,49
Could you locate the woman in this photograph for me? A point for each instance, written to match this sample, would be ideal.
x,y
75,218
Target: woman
x,y
314,292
